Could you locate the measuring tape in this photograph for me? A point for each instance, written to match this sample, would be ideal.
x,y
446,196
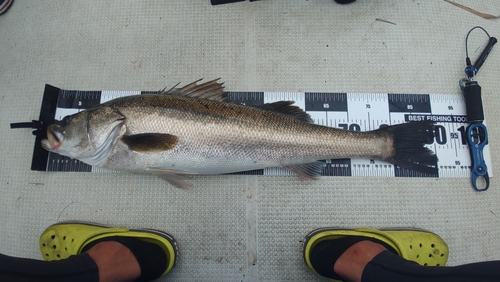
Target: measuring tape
x,y
350,111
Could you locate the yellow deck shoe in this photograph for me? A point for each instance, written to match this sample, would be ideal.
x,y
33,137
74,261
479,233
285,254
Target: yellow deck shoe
x,y
418,245
61,240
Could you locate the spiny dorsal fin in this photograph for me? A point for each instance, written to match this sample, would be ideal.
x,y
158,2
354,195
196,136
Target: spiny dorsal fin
x,y
286,107
150,142
211,90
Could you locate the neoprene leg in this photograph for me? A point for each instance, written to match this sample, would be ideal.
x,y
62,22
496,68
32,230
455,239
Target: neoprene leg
x,y
75,268
388,267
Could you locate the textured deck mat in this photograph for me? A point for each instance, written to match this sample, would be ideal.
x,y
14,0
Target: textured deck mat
x,y
242,227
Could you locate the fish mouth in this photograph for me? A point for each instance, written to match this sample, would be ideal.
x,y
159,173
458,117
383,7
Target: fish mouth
x,y
54,138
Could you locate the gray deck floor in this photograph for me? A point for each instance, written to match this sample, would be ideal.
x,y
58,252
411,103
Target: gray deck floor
x,y
248,228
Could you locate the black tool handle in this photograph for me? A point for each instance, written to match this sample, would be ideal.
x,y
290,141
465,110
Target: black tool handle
x,y
473,101
485,53
33,124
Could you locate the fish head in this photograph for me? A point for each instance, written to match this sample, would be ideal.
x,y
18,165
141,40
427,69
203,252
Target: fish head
x,y
87,136
68,136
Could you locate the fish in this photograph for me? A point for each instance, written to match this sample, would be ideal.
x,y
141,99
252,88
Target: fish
x,y
194,130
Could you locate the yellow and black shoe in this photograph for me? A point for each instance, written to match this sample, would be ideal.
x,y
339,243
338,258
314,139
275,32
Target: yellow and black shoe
x,y
322,247
156,251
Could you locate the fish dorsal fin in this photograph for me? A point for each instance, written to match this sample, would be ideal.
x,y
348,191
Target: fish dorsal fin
x,y
211,90
286,107
150,142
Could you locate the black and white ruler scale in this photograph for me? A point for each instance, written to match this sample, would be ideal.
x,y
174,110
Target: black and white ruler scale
x,y
351,111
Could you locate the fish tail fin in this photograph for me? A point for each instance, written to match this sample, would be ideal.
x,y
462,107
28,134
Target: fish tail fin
x,y
410,152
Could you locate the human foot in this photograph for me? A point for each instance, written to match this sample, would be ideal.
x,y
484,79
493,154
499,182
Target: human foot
x,y
352,262
115,262
327,253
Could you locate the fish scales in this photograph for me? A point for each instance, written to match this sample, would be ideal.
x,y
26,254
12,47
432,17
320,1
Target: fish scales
x,y
245,133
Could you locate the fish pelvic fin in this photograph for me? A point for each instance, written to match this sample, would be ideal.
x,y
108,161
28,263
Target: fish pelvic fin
x,y
409,140
287,108
150,142
309,171
173,176
211,90
177,181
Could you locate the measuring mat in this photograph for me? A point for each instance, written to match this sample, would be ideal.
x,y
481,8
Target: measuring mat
x,y
350,111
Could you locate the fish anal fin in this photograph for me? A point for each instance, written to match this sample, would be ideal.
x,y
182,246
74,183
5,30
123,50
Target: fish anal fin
x,y
309,170
287,108
211,90
150,142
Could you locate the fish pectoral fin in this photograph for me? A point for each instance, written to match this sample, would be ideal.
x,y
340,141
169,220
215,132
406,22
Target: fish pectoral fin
x,y
308,171
211,90
150,142
287,108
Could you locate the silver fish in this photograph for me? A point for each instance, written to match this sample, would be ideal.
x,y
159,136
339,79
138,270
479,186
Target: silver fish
x,y
192,130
